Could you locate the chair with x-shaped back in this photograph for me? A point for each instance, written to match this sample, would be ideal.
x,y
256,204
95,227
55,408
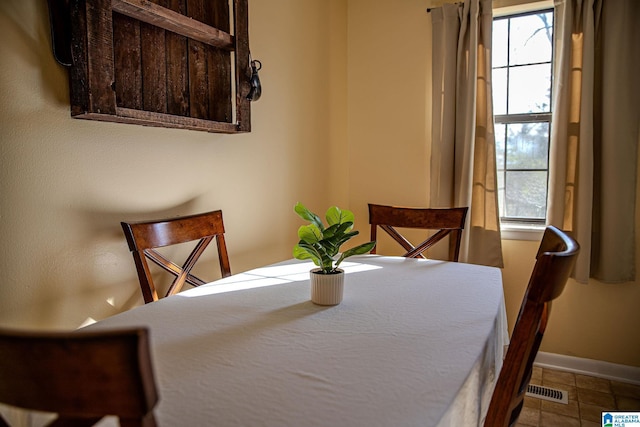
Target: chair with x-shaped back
x,y
82,376
145,237
447,222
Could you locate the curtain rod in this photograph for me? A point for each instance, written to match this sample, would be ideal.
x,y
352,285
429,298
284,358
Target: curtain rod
x,y
429,9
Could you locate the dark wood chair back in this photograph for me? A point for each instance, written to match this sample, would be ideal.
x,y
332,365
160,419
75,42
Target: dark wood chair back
x,y
554,262
447,222
145,237
81,376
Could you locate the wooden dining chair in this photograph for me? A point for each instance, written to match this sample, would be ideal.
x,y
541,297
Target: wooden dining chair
x,y
145,237
554,262
81,376
447,222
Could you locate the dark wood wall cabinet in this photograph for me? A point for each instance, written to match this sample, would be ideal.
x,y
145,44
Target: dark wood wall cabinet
x,y
170,63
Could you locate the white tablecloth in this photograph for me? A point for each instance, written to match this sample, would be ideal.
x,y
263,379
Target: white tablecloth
x,y
414,343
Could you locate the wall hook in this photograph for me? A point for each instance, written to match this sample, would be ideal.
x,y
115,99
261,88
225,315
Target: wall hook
x,y
256,87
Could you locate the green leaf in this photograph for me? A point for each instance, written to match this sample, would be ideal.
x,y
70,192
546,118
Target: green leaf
x,y
336,232
307,215
339,241
331,249
329,232
300,253
310,233
343,227
303,251
336,215
358,250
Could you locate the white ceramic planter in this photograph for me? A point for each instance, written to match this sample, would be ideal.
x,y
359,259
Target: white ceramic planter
x,y
327,289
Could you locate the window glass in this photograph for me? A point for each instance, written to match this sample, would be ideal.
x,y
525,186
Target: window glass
x,y
499,91
525,195
527,146
530,39
529,89
500,44
522,82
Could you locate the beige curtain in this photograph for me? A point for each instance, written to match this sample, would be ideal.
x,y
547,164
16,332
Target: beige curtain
x,y
595,133
463,157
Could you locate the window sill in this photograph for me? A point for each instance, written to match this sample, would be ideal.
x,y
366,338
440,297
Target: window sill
x,y
521,231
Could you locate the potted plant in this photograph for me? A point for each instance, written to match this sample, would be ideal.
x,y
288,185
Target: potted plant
x,y
322,245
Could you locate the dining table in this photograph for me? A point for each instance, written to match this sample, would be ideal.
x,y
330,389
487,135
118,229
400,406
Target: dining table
x,y
414,342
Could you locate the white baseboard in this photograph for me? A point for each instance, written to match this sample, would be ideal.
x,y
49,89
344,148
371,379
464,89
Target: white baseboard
x,y
594,368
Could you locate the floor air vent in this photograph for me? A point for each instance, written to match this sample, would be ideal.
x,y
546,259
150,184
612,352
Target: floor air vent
x,y
546,393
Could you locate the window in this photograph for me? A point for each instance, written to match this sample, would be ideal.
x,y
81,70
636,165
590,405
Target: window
x,y
522,79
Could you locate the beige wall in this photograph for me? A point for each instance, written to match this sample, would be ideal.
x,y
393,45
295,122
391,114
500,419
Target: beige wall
x,y
595,321
389,92
67,183
327,130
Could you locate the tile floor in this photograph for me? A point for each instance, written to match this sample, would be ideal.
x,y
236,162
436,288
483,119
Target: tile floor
x,y
588,398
